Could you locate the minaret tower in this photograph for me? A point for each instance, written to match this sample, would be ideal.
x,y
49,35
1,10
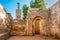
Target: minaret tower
x,y
18,11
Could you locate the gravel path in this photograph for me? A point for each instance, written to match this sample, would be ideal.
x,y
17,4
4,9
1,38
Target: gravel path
x,y
37,37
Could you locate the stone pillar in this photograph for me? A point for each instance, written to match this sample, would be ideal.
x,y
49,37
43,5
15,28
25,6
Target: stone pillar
x,y
29,27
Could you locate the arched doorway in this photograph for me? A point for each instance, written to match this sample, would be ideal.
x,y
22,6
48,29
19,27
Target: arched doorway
x,y
36,25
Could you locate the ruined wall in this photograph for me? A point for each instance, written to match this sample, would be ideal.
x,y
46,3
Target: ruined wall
x,y
55,19
18,27
5,24
34,12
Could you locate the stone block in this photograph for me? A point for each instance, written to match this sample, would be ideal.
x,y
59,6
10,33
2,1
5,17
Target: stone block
x,y
4,36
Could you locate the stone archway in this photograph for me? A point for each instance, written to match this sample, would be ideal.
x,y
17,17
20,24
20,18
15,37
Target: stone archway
x,y
36,25
36,14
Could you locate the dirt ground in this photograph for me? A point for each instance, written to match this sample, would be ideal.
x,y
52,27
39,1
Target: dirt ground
x,y
36,37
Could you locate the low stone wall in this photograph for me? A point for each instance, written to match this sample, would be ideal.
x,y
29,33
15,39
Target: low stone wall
x,y
18,28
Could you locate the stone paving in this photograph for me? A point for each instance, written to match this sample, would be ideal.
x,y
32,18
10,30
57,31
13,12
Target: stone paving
x,y
36,37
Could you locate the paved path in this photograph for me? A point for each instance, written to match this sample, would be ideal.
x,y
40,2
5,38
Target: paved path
x,y
37,37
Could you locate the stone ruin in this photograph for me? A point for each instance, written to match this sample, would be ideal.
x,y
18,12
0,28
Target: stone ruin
x,y
5,23
45,22
49,21
18,27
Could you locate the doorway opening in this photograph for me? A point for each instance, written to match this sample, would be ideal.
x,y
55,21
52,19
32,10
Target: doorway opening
x,y
36,25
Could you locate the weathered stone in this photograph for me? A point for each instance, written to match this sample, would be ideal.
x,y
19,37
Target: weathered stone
x,y
54,11
4,36
18,27
49,20
5,23
36,13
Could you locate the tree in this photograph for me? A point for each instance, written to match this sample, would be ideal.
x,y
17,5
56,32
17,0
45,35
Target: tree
x,y
37,4
25,8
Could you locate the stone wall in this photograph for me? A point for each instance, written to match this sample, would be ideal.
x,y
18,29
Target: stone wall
x,y
18,27
5,23
50,22
55,19
4,36
33,13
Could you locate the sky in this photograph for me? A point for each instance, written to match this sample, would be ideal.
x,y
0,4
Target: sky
x,y
11,5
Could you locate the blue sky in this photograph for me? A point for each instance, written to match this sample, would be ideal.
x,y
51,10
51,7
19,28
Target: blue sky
x,y
11,5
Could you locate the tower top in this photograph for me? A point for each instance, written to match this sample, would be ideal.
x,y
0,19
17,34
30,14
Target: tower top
x,y
18,4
